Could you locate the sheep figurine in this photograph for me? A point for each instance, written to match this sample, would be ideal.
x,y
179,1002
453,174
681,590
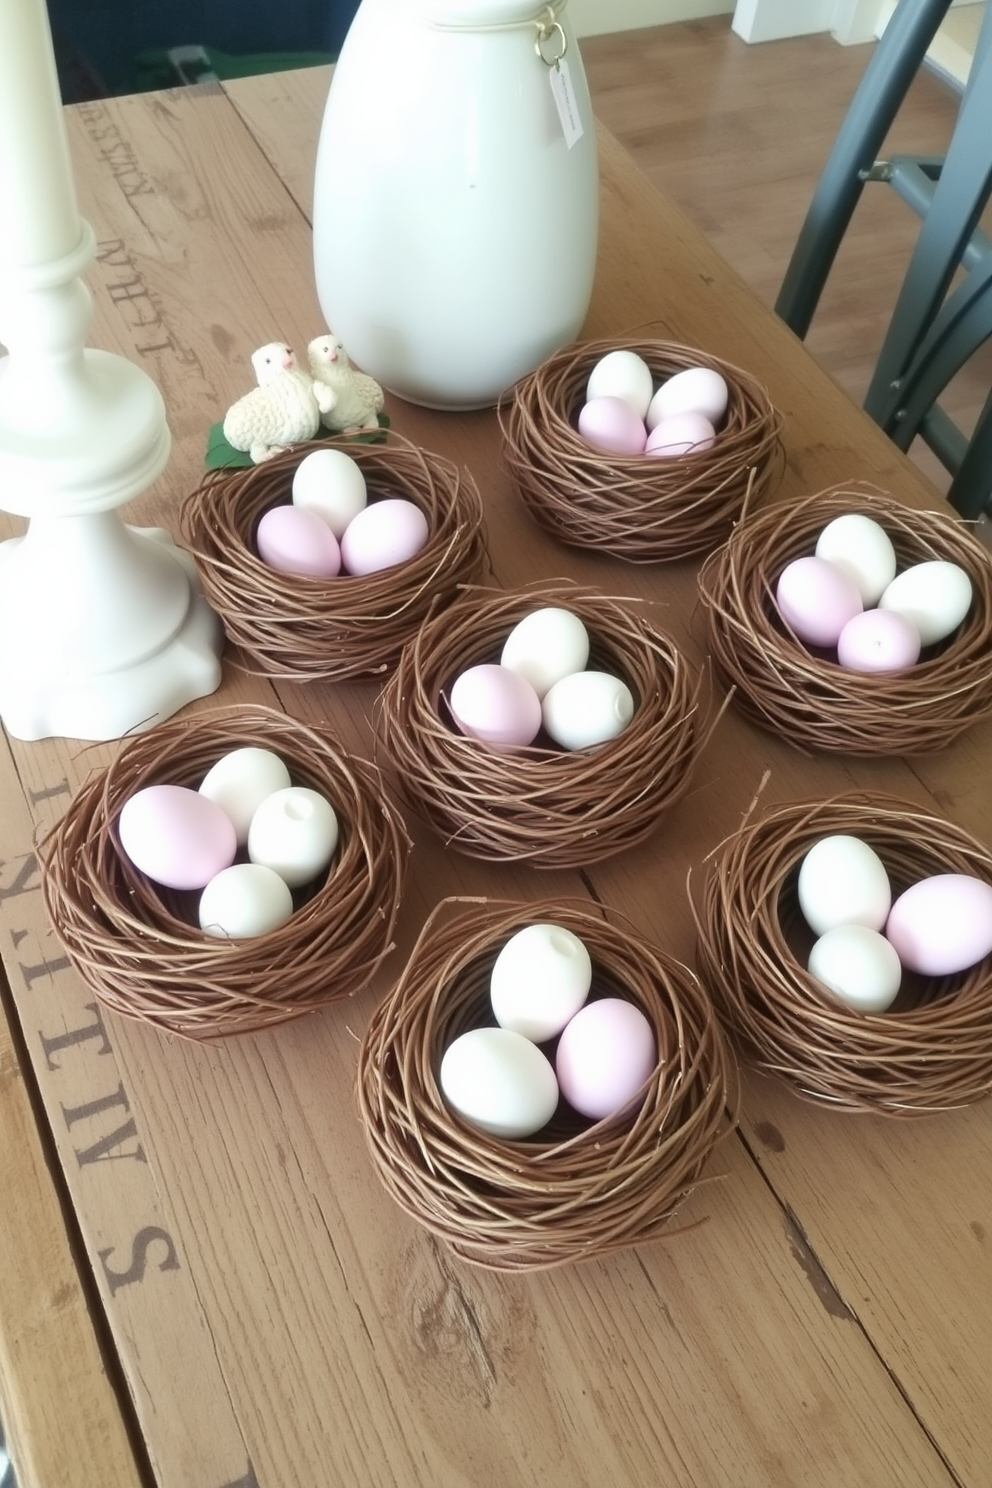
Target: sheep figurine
x,y
282,410
355,398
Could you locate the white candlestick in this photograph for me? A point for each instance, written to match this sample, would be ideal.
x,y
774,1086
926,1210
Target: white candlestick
x,y
35,171
103,629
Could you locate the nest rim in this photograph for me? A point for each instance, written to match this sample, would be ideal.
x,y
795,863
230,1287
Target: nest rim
x,y
546,806
930,1052
640,509
136,945
300,628
813,702
588,1188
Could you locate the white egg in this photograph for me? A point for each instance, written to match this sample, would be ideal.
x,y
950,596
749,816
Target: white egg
x,y
295,832
622,374
863,549
935,595
858,966
696,390
240,781
545,646
499,1081
587,708
539,981
330,483
842,881
244,900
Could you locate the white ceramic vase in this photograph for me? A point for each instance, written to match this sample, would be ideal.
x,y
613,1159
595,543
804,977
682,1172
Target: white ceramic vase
x,y
456,195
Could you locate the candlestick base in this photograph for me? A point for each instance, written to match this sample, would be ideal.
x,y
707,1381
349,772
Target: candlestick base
x,y
145,642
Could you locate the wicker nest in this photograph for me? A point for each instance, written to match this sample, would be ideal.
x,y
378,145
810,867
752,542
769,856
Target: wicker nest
x,y
304,628
138,945
577,1190
814,702
551,807
931,1051
643,509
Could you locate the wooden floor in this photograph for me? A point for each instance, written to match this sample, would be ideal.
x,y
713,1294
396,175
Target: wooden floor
x,y
738,134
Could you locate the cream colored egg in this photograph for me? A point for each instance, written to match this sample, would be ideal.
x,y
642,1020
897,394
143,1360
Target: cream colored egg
x,y
696,390
843,881
545,646
499,1081
539,981
586,709
294,832
331,484
240,781
935,595
243,901
622,374
863,549
858,966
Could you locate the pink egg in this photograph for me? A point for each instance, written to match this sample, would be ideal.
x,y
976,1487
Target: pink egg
x,y
385,533
681,434
496,705
176,836
816,599
604,1055
611,424
942,924
878,641
293,539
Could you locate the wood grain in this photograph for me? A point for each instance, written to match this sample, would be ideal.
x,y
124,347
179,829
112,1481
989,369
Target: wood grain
x,y
50,1350
278,1322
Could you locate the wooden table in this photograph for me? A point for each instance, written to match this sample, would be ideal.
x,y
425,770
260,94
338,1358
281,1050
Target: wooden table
x,y
202,1284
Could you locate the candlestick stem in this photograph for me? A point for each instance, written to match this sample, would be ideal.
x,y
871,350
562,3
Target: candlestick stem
x,y
103,629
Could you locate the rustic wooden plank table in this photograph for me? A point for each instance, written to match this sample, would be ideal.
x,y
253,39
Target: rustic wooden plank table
x,y
201,1282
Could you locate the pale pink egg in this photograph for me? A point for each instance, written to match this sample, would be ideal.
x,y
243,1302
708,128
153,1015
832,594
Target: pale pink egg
x,y
611,424
942,924
176,836
878,641
382,535
496,705
604,1055
293,539
816,599
682,434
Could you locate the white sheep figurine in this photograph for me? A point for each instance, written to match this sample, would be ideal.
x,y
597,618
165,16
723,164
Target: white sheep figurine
x,y
355,398
281,411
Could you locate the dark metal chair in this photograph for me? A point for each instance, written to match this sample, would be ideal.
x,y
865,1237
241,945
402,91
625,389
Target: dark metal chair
x,y
934,328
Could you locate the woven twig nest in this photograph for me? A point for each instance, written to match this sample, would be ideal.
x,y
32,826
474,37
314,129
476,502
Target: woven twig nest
x,y
643,509
930,1051
138,945
303,628
578,1189
813,702
550,807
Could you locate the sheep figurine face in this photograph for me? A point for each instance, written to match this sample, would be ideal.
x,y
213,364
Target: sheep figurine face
x,y
268,361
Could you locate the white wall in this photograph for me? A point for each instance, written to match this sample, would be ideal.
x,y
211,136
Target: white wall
x,y
849,20
595,17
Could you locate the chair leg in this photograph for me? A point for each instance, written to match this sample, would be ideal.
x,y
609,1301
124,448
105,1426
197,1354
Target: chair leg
x,y
972,486
962,326
894,63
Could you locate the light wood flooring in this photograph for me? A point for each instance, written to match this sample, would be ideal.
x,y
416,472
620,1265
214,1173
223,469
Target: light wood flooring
x,y
738,134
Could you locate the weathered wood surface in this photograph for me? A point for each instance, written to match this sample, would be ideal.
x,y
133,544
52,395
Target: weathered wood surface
x,y
277,1321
